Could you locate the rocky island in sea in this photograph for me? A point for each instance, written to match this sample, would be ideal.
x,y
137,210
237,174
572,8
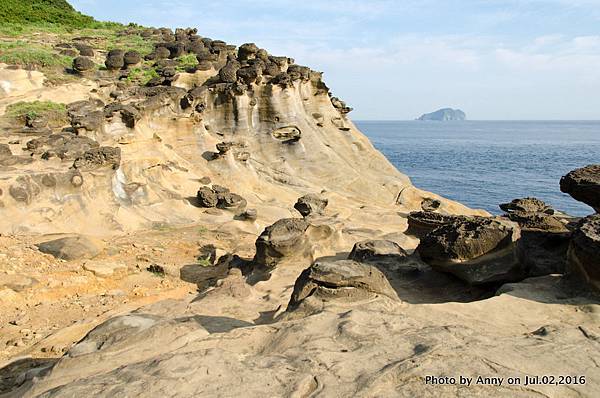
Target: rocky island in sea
x,y
181,216
444,114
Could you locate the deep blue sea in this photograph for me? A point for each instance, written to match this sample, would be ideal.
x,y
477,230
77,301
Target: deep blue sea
x,y
484,163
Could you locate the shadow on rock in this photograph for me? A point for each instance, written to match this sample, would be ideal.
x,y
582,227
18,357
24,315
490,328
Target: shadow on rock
x,y
220,324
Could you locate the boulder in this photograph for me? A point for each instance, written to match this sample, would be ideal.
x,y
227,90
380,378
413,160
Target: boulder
x,y
343,280
132,58
377,250
249,74
129,114
72,247
84,49
475,249
114,62
584,251
95,158
529,205
248,215
83,64
228,73
247,51
583,185
311,204
207,197
430,204
161,53
229,199
285,238
420,223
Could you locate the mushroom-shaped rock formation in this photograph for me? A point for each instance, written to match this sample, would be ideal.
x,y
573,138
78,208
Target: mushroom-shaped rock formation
x,y
583,185
529,205
584,251
84,49
285,238
83,64
377,250
132,58
475,249
311,204
343,280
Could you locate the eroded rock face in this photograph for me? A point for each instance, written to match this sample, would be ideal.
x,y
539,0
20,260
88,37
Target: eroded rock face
x,y
583,185
311,204
377,250
475,249
542,248
584,251
528,205
340,280
285,238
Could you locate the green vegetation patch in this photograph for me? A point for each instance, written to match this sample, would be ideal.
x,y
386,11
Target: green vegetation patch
x,y
55,113
42,11
186,62
142,75
31,55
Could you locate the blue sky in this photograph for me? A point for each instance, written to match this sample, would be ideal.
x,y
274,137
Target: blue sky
x,y
496,60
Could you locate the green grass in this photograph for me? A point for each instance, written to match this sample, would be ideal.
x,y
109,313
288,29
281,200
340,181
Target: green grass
x,y
204,262
31,55
186,61
55,112
57,12
141,75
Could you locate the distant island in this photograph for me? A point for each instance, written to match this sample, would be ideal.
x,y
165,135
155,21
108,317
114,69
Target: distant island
x,y
444,115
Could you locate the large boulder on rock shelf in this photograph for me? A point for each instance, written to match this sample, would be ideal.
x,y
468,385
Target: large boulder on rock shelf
x,y
285,238
583,185
377,250
584,251
345,280
475,249
72,247
311,204
420,223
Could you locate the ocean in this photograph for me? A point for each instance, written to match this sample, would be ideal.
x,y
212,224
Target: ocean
x,y
484,163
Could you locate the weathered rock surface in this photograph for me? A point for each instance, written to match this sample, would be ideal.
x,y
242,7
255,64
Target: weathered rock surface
x,y
420,223
477,250
83,64
99,157
311,204
583,185
285,238
72,247
584,251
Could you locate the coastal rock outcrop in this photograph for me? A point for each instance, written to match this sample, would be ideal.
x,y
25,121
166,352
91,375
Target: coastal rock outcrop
x,y
344,280
583,185
542,248
285,238
420,223
72,247
475,249
311,204
584,251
